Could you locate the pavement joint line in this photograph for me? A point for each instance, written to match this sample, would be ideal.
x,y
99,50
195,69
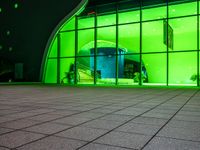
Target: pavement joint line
x,y
55,111
83,122
16,112
114,146
62,116
169,119
36,109
178,139
127,121
94,142
4,147
41,122
22,129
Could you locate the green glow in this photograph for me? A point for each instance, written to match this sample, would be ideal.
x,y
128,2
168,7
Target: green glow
x,y
8,33
10,49
154,13
107,34
69,25
87,22
106,20
0,10
183,9
152,37
128,34
16,5
65,68
88,36
185,33
156,66
54,46
182,65
51,71
127,17
181,68
67,45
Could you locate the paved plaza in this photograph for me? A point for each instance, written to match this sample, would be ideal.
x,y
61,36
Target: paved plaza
x,y
37,117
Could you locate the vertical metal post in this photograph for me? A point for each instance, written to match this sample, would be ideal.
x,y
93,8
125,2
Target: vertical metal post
x,y
95,49
197,43
117,44
76,51
58,58
167,43
140,80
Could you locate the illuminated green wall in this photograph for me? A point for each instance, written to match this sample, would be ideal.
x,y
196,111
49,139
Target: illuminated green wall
x,y
141,37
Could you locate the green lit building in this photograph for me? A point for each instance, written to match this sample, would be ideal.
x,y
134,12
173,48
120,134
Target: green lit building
x,y
126,43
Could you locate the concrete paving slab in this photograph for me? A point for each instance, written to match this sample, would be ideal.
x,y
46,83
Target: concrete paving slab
x,y
94,146
127,140
5,130
150,121
17,138
55,110
139,128
180,133
48,128
102,124
53,143
72,120
160,143
19,124
82,133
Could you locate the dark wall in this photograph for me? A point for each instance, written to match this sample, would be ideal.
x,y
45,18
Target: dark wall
x,y
24,32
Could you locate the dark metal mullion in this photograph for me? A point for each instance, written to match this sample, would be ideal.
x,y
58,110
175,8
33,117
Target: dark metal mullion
x,y
151,6
76,50
117,44
95,49
140,80
197,43
167,43
185,16
58,58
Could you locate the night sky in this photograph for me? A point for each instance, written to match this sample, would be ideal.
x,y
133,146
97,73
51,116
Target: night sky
x,y
25,26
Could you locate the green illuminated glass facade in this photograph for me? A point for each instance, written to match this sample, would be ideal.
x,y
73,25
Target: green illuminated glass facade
x,y
142,45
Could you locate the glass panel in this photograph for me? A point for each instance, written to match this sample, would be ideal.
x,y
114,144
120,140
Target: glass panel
x,y
129,69
105,20
67,44
106,69
54,48
129,38
51,71
183,9
184,33
152,37
106,46
154,13
155,68
67,70
194,78
182,68
199,7
85,67
86,22
69,25
130,16
85,42
106,40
